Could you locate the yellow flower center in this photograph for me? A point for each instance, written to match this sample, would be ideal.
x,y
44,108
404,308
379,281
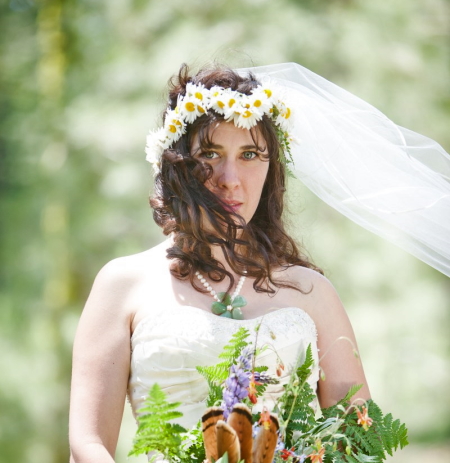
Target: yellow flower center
x,y
172,128
268,92
221,104
231,102
200,109
199,96
257,103
247,114
190,106
287,114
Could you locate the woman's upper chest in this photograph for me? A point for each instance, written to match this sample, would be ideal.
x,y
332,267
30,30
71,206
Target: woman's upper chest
x,y
161,289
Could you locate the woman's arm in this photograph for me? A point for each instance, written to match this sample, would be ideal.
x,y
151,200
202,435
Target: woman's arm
x,y
101,362
337,345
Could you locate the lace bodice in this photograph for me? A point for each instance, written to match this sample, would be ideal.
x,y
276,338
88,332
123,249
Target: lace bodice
x,y
168,346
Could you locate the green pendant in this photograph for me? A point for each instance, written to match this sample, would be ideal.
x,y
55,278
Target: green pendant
x,y
221,308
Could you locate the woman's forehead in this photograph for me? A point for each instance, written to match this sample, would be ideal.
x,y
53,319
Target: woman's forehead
x,y
223,133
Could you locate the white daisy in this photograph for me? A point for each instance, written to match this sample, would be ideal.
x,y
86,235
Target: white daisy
x,y
259,101
190,108
154,147
268,90
167,142
218,99
284,116
245,117
197,91
294,140
231,100
174,125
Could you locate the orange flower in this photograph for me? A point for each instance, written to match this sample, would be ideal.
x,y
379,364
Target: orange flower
x,y
280,368
363,418
317,457
252,389
285,453
265,418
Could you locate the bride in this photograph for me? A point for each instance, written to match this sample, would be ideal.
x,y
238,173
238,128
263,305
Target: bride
x,y
221,160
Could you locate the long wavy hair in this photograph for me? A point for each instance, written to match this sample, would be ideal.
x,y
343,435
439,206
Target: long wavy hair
x,y
182,203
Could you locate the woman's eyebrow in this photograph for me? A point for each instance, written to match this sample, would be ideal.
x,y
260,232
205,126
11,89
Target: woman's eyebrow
x,y
214,146
249,147
243,147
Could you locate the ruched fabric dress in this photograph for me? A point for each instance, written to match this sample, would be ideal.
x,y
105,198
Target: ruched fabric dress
x,y
168,346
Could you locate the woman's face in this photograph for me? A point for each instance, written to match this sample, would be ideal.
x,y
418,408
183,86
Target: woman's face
x,y
239,167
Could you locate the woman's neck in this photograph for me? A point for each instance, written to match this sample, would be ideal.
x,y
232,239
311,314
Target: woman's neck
x,y
217,253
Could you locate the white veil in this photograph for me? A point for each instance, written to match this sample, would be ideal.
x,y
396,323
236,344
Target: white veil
x,y
390,180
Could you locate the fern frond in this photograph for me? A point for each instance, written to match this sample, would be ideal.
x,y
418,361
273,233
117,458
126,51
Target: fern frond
x,y
303,371
351,459
192,449
237,342
216,375
155,433
361,458
297,414
351,392
384,436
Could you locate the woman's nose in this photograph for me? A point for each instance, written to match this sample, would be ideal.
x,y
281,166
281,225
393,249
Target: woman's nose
x,y
228,176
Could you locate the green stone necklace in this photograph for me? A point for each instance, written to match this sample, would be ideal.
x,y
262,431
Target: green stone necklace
x,y
225,305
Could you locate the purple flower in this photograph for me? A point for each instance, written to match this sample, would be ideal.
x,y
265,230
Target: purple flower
x,y
246,358
238,381
264,378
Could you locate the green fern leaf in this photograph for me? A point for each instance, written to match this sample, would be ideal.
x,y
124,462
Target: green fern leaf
x,y
351,392
192,449
297,414
155,433
304,370
216,375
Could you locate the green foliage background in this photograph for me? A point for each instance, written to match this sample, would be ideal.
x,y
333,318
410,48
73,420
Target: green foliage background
x,y
81,82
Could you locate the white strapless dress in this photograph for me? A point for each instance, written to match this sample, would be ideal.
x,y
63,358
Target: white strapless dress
x,y
168,346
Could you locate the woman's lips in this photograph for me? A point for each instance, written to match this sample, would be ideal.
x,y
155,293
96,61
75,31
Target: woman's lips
x,y
232,206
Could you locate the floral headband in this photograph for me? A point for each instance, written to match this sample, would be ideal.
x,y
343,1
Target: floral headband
x,y
245,111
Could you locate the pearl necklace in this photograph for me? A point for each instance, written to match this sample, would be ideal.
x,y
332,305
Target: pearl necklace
x,y
225,305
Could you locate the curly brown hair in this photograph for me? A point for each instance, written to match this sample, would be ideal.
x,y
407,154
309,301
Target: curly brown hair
x,y
181,201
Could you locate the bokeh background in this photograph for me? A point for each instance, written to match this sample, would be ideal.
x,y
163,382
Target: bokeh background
x,y
83,81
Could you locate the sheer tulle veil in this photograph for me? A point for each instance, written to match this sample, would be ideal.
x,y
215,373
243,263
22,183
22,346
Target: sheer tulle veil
x,y
388,179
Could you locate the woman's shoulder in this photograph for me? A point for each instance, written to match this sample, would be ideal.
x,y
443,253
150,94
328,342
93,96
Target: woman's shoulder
x,y
134,265
123,273
304,278
119,285
317,294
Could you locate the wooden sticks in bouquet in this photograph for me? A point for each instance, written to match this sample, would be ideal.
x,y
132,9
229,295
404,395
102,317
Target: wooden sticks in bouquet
x,y
234,437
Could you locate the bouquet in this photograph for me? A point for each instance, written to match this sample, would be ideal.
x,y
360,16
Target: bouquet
x,y
228,431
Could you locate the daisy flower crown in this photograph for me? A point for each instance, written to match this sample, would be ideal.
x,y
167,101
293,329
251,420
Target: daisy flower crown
x,y
245,111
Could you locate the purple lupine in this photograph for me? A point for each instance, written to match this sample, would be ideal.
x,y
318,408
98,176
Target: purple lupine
x,y
264,378
238,381
246,358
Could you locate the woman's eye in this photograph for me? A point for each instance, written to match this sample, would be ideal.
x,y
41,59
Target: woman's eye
x,y
249,155
209,155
